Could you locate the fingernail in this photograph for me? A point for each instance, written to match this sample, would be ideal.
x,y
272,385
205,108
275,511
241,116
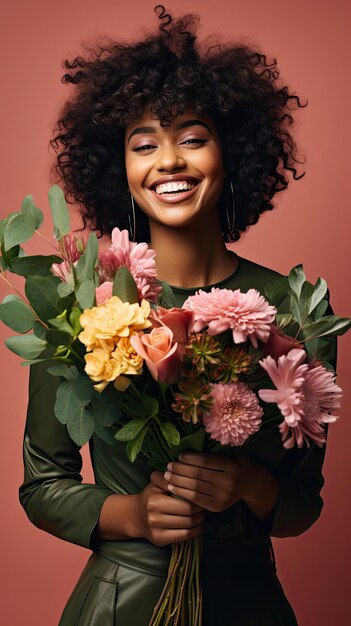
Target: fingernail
x,y
170,487
167,475
170,466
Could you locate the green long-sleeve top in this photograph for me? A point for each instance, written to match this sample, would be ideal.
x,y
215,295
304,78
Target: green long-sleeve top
x,y
56,500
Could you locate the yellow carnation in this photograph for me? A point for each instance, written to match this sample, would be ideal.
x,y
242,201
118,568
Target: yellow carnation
x,y
111,321
131,361
99,365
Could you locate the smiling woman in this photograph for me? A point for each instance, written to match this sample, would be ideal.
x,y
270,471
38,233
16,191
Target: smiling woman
x,y
186,146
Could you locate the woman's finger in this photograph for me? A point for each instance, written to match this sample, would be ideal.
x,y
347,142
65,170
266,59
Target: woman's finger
x,y
190,483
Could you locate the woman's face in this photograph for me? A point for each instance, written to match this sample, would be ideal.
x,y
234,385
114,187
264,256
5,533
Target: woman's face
x,y
175,175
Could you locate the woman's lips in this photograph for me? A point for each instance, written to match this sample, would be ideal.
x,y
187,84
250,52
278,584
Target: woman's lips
x,y
174,198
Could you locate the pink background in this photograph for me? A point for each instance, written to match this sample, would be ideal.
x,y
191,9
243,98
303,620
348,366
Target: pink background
x,y
311,225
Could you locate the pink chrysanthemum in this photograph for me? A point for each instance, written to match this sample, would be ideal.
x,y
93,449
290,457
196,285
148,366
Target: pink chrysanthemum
x,y
137,257
248,315
304,393
235,414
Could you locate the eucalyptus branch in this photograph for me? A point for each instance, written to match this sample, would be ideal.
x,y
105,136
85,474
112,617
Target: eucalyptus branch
x,y
48,241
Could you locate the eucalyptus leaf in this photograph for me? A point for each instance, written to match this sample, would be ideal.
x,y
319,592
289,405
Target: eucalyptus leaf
x,y
103,432
166,298
59,211
133,447
83,387
26,346
38,265
124,286
64,289
80,425
39,330
107,407
57,338
86,294
61,323
19,228
170,434
84,270
320,309
42,294
17,315
129,431
60,369
296,279
29,208
9,255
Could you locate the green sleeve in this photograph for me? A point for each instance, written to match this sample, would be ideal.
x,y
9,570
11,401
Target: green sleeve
x,y
52,493
300,481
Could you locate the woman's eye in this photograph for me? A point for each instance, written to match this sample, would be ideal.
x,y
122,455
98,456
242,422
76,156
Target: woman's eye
x,y
195,140
145,146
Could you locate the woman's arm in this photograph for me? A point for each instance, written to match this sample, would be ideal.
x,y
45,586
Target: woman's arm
x,y
56,500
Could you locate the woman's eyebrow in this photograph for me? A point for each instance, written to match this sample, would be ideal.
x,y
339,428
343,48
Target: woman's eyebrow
x,y
152,129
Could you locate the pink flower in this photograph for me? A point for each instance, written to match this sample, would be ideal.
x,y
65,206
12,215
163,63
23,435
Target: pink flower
x,y
159,352
279,343
304,393
71,250
235,414
180,321
137,257
103,293
248,315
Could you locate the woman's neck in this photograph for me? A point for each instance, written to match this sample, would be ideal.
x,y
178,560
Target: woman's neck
x,y
191,256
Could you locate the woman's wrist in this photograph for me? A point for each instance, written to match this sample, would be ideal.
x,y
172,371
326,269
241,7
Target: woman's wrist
x,y
260,488
119,518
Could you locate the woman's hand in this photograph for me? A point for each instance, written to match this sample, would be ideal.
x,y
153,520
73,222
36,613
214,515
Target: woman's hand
x,y
164,520
215,482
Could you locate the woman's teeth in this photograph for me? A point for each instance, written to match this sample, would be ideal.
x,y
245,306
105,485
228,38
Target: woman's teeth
x,y
174,187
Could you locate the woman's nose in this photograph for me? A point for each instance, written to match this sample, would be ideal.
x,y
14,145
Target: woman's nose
x,y
169,157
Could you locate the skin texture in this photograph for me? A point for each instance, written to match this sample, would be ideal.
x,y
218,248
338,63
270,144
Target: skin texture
x,y
189,251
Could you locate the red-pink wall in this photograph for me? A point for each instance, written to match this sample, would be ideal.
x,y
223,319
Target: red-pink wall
x,y
311,225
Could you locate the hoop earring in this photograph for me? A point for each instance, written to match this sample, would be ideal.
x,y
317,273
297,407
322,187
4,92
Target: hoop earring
x,y
230,218
132,231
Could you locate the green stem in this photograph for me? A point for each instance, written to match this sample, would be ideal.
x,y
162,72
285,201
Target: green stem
x,y
48,241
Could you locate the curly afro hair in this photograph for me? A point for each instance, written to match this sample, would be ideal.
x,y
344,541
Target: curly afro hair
x,y
166,73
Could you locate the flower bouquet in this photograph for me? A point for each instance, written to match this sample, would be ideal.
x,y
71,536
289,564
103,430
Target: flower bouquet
x,y
163,379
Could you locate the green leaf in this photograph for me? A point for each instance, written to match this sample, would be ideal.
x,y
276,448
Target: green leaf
x,y
130,431
61,370
103,432
86,294
170,434
84,270
107,407
194,442
17,315
38,265
83,387
328,325
57,338
19,228
9,255
70,410
319,291
296,279
60,323
29,209
276,290
2,228
39,330
64,289
320,309
166,298
59,211
26,346
42,294
74,320
133,447
124,286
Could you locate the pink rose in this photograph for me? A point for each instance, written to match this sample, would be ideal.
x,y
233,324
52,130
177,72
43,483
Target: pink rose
x,y
159,352
103,293
279,344
180,321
